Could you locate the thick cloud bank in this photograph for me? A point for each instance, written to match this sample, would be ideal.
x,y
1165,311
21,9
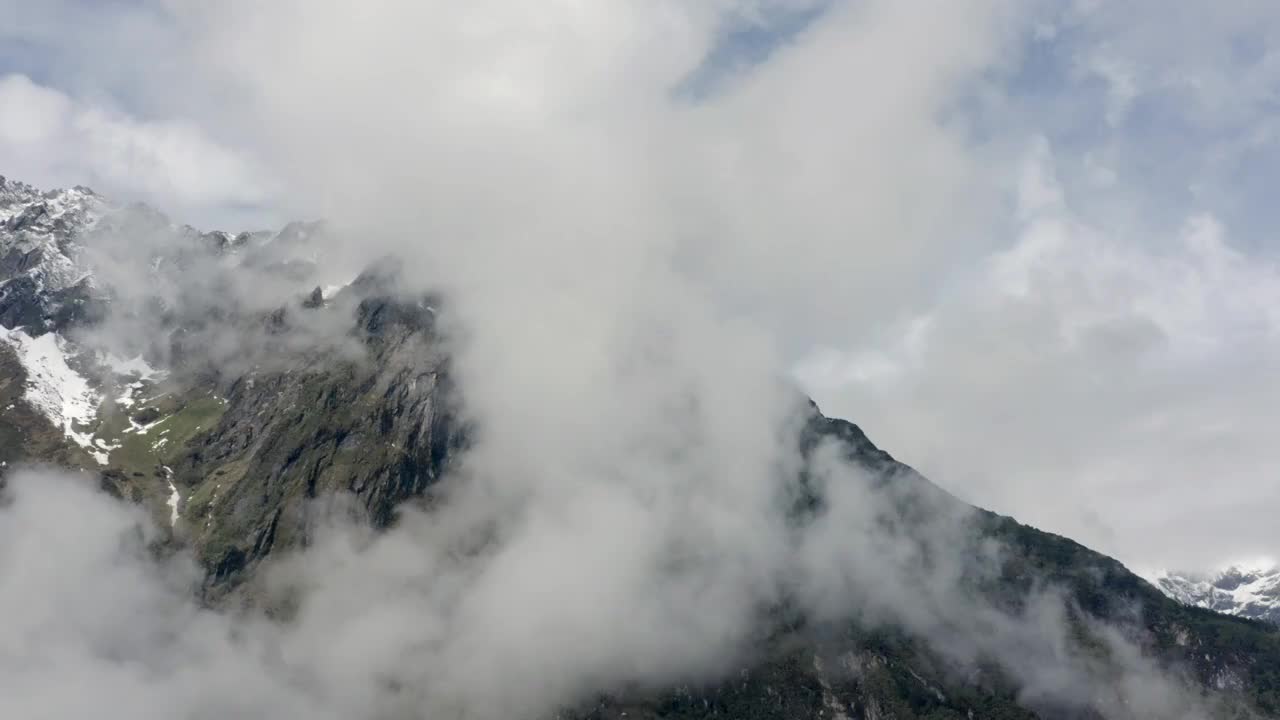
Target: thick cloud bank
x,y
497,610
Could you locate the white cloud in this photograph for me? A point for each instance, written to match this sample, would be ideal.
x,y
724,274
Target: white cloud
x,y
537,163
555,605
626,269
1114,390
52,140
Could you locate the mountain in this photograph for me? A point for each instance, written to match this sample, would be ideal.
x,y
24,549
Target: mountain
x,y
68,403
237,387
45,282
1245,591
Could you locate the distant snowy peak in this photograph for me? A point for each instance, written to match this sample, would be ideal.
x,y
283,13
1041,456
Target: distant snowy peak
x,y
15,196
26,211
58,219
1251,591
38,232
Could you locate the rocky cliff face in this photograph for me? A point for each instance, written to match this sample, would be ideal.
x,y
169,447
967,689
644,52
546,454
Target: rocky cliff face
x,y
378,426
230,455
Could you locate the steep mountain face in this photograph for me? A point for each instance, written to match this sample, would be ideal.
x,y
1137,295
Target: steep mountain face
x,y
1251,592
230,449
379,427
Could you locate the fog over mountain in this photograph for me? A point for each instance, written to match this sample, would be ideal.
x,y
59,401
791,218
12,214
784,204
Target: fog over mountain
x,y
312,516
947,221
507,413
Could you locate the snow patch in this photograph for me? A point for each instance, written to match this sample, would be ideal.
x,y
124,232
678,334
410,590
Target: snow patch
x,y
54,388
328,291
141,429
129,367
135,369
174,496
125,398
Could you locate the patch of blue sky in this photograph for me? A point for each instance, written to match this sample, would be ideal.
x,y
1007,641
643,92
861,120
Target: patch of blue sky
x,y
1171,151
746,42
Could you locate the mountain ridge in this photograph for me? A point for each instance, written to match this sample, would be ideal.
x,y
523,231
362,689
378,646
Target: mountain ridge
x,y
229,457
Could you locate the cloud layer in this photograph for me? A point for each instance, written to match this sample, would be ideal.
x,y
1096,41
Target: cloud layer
x,y
49,139
632,269
1105,386
501,604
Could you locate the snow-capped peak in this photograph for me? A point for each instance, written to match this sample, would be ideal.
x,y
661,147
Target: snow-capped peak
x,y
23,207
1249,589
39,230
